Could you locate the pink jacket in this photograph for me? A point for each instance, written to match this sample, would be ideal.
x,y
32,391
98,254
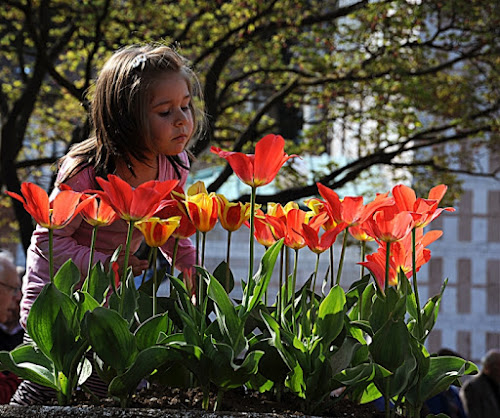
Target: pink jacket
x,y
74,240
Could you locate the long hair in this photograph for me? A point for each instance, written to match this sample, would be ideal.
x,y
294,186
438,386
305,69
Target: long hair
x,y
119,109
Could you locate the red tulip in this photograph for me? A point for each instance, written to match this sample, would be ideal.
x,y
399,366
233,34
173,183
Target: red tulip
x,y
351,209
262,167
290,227
98,213
135,204
389,225
319,244
52,215
424,210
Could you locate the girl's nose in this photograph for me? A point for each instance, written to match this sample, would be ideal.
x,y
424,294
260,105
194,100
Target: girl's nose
x,y
180,118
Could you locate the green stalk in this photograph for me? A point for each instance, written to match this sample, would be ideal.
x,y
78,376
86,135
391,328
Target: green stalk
x,y
313,294
415,285
91,257
363,254
51,255
387,258
150,256
125,261
362,273
332,275
228,255
387,401
174,258
155,280
294,280
200,283
342,256
279,300
252,230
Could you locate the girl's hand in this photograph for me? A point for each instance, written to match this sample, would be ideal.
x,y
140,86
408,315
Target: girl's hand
x,y
138,265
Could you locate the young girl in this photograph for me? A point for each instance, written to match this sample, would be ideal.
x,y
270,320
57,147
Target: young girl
x,y
144,114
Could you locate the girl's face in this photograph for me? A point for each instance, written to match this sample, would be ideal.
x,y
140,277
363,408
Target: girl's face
x,y
170,117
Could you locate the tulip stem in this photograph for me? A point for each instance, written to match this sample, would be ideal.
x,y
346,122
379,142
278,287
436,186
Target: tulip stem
x,y
200,283
228,255
125,262
387,259
313,290
360,300
150,256
363,254
155,280
415,285
294,281
91,257
51,255
342,256
174,257
332,275
279,300
252,230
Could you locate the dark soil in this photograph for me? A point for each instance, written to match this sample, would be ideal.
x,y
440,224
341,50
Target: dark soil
x,y
157,397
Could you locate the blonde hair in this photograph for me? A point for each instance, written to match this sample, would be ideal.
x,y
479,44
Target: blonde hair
x,y
119,108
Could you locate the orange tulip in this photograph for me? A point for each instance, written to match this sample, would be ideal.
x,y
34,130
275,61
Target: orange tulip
x,y
351,210
319,244
424,210
52,215
401,257
202,209
389,225
232,214
157,231
98,213
357,232
290,227
135,204
262,167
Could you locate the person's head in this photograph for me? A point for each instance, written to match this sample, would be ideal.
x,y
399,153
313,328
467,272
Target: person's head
x,y
137,86
491,364
10,287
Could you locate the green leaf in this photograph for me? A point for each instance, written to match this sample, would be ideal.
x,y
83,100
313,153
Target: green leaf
x,y
110,338
146,362
31,364
253,293
390,345
229,323
148,333
51,307
67,277
331,313
98,283
225,276
443,371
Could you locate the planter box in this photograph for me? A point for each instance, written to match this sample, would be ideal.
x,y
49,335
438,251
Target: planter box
x,y
7,411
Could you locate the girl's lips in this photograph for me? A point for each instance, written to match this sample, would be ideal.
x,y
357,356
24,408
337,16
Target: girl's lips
x,y
180,138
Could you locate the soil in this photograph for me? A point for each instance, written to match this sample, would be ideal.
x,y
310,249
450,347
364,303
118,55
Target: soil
x,y
238,400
